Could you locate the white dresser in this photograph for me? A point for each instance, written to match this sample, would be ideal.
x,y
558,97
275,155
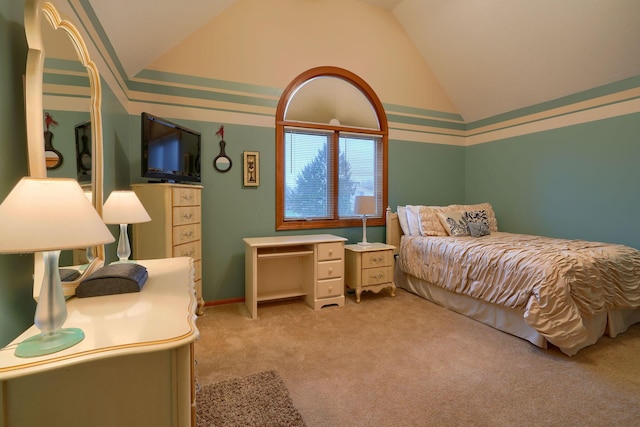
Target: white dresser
x,y
135,366
175,227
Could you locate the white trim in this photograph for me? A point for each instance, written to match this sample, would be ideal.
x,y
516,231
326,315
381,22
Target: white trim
x,y
571,119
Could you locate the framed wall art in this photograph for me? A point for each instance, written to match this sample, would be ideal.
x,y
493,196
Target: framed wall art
x,y
251,170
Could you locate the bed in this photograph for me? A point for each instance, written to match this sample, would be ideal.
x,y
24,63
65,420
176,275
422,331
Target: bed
x,y
567,293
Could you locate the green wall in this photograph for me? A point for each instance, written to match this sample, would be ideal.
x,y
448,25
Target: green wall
x,y
428,173
16,304
577,182
425,174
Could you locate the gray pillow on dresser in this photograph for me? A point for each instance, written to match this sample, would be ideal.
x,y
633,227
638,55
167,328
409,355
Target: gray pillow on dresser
x,y
117,278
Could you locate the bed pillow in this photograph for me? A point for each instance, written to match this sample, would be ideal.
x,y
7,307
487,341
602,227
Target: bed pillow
x,y
454,222
491,216
477,222
413,222
402,218
430,224
478,229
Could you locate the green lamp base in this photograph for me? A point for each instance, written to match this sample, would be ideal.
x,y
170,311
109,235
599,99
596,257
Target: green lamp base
x,y
40,345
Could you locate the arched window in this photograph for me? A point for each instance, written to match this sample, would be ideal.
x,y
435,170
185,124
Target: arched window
x,y
331,146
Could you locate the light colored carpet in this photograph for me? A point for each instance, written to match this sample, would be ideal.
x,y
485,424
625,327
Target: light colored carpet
x,y
259,399
404,361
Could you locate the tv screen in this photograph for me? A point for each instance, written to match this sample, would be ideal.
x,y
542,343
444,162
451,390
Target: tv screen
x,y
170,152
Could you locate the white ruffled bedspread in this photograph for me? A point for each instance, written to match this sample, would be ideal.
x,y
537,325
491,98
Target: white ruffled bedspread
x,y
556,282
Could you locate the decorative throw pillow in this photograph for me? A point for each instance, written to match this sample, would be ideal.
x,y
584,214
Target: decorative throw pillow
x,y
454,223
491,216
477,222
430,223
478,229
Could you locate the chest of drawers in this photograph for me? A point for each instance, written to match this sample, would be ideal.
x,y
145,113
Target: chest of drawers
x,y
175,226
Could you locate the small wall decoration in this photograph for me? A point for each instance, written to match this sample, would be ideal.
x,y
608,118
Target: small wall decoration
x,y
222,162
53,158
251,171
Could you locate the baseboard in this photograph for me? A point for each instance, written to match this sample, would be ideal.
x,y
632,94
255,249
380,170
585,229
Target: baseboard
x,y
223,301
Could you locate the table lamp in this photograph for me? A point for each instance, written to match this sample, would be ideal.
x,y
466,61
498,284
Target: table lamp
x,y
365,205
49,215
124,208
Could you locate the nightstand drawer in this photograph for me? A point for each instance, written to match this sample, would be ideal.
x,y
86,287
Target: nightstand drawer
x,y
375,276
330,269
329,288
377,259
328,251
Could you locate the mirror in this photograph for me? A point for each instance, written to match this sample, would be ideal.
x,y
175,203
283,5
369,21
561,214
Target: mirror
x,y
222,162
45,29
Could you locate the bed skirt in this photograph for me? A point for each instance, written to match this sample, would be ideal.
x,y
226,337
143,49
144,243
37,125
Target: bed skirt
x,y
512,321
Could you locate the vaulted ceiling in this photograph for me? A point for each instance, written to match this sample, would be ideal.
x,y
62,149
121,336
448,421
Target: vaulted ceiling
x,y
490,56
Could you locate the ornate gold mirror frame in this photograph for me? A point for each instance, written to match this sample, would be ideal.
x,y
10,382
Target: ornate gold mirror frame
x,y
37,13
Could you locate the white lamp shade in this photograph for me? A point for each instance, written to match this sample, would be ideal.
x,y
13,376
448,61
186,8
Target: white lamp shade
x,y
124,207
365,205
44,214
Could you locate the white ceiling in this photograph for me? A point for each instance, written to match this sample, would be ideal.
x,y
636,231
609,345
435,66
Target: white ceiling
x,y
490,56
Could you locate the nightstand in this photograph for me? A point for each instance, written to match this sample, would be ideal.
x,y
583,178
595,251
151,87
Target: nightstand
x,y
369,268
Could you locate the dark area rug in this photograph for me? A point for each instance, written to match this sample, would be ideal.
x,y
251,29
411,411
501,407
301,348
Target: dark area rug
x,y
260,399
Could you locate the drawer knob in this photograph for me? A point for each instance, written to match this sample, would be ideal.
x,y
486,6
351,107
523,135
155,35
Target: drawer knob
x,y
330,252
187,215
330,270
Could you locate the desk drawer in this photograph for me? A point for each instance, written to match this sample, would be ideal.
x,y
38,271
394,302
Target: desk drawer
x,y
330,269
186,215
329,288
377,259
376,276
327,251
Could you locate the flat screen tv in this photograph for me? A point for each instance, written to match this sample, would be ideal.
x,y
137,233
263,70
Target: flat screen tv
x,y
170,152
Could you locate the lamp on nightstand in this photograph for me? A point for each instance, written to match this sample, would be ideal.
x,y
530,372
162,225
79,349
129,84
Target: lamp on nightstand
x,y
365,205
48,215
124,208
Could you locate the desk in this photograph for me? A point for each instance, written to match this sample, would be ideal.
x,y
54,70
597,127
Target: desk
x,y
307,266
135,366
